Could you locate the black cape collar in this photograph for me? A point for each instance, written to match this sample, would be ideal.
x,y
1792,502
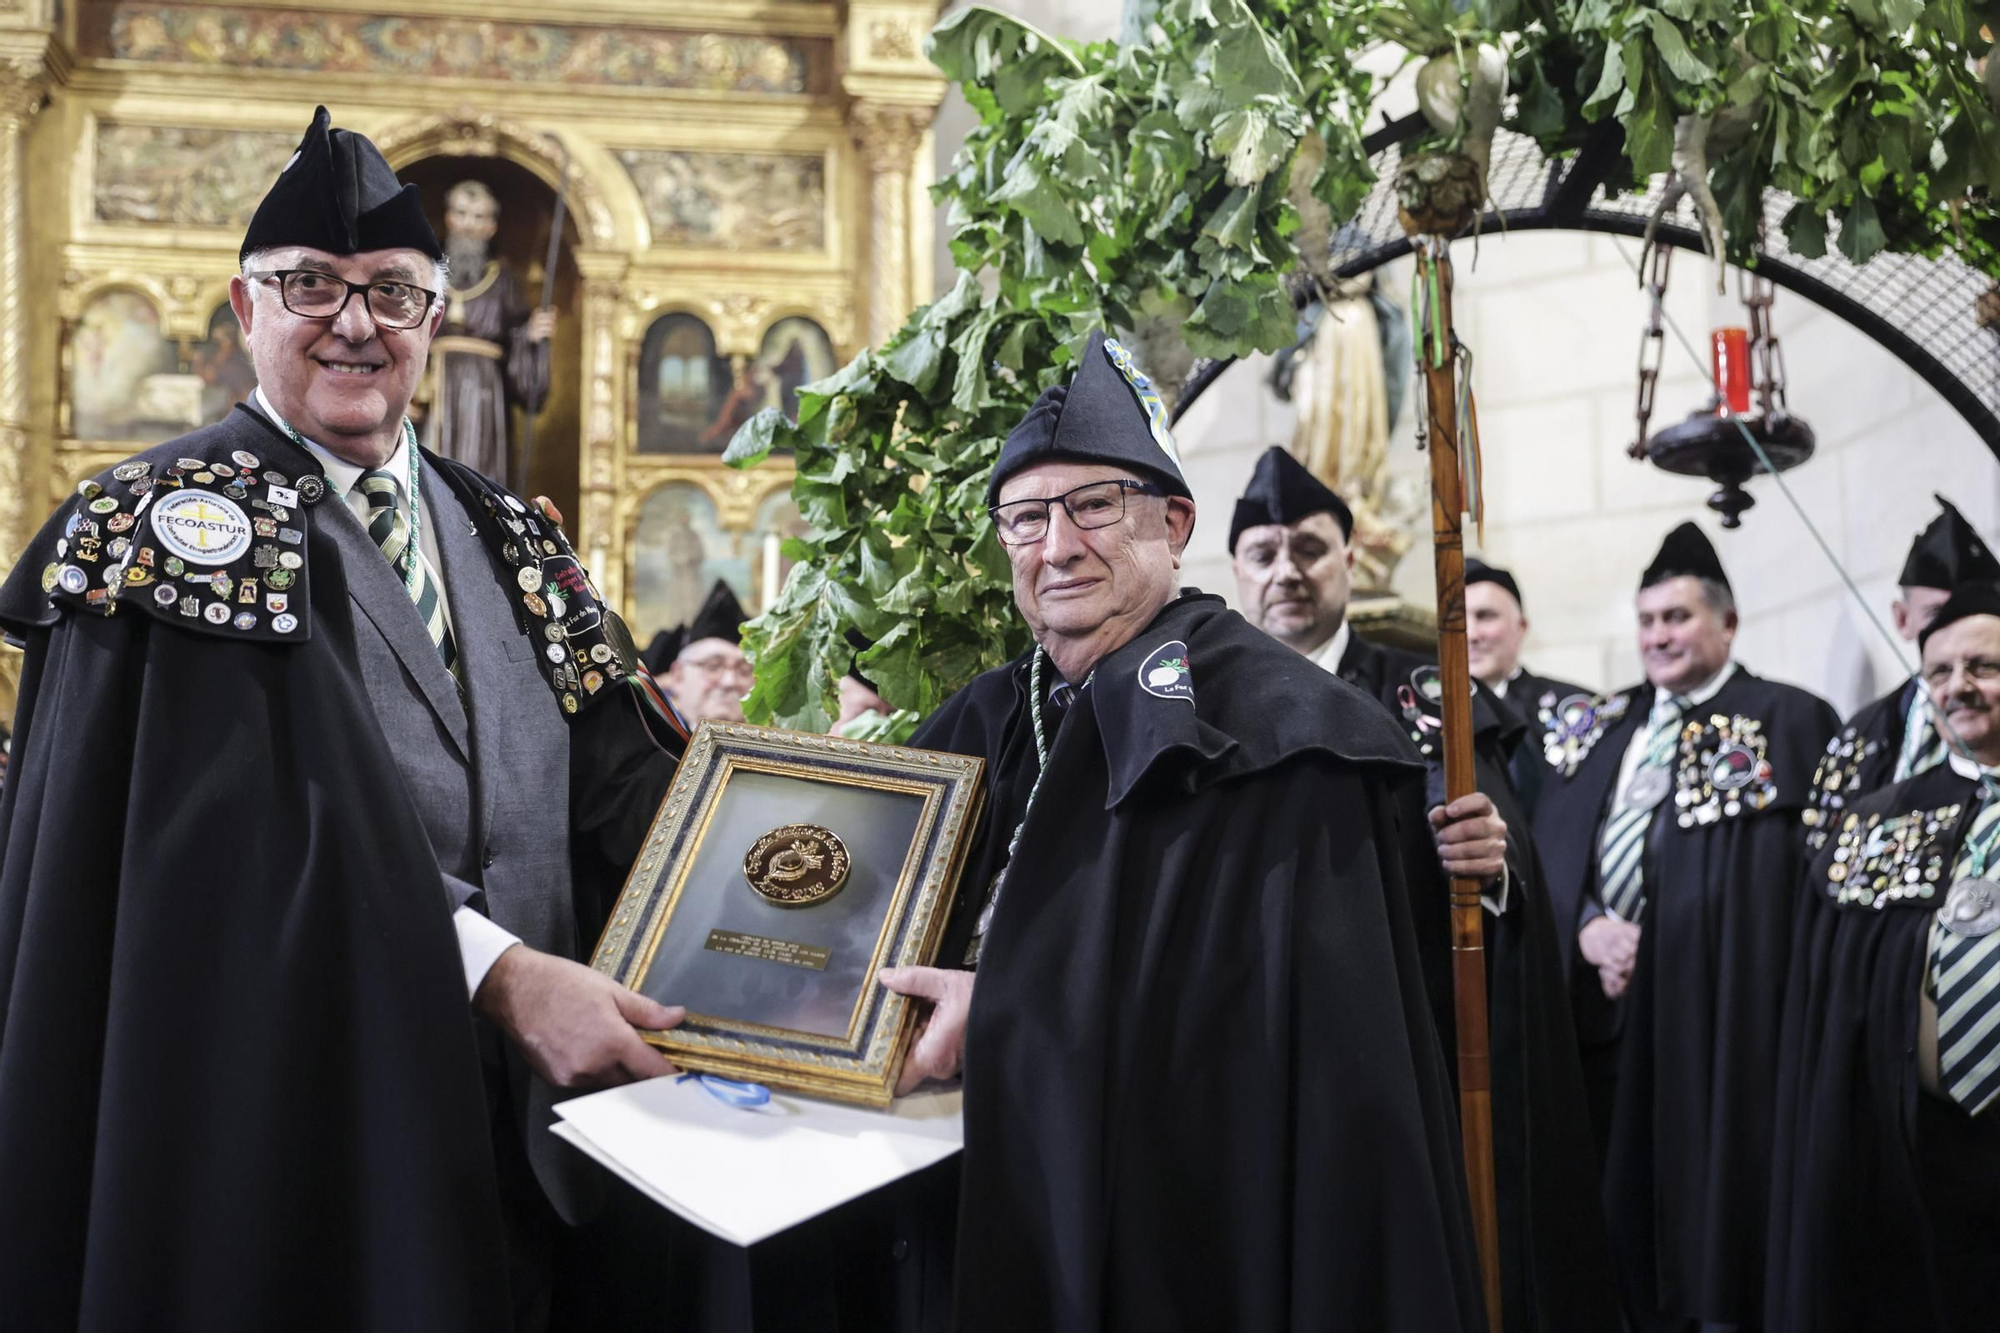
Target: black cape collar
x,y
1180,688
1142,726
24,603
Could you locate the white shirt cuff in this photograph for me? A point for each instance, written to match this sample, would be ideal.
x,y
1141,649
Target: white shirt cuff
x,y
480,944
1494,901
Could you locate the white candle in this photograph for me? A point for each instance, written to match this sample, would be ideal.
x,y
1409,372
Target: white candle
x,y
772,543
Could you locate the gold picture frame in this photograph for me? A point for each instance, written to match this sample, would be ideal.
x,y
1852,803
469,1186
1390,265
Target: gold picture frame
x,y
779,993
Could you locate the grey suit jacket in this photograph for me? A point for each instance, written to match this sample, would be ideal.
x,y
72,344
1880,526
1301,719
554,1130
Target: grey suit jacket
x,y
487,772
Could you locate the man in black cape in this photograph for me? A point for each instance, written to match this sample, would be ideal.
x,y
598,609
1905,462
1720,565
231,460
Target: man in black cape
x,y
703,669
1893,738
1289,542
1496,624
1673,847
286,943
1201,1086
1886,1175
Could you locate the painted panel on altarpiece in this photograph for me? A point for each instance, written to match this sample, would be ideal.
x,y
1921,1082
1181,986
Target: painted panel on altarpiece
x,y
683,385
124,383
242,37
177,176
679,550
796,352
222,364
731,201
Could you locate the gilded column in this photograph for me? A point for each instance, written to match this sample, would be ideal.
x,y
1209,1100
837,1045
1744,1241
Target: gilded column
x,y
596,530
21,91
889,135
894,94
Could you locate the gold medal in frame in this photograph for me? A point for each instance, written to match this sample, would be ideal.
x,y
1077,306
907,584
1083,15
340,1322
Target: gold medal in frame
x,y
781,872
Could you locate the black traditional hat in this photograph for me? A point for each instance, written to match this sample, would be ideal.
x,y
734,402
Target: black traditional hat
x,y
1478,571
1281,490
1108,413
1980,598
338,194
721,617
1686,551
664,648
1947,553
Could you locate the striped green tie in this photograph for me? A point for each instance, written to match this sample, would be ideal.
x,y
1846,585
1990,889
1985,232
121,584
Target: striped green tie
x,y
1622,849
1923,749
391,531
1965,981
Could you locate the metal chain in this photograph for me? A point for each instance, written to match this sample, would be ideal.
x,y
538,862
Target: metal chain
x,y
1767,359
1657,261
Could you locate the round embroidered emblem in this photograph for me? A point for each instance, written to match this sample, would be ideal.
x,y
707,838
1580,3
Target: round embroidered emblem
x,y
202,527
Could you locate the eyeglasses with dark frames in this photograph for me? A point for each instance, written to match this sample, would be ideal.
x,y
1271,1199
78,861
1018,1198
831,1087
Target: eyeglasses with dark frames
x,y
1096,504
315,294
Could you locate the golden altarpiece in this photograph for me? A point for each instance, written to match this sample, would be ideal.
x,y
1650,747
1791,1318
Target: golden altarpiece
x,y
747,205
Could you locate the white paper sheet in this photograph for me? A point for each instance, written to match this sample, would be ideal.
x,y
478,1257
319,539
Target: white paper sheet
x,y
747,1173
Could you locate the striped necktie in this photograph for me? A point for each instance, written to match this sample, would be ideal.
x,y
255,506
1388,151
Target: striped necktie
x,y
1965,981
1622,849
391,531
1923,748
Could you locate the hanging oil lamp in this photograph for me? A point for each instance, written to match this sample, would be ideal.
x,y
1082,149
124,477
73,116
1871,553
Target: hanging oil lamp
x,y
1747,368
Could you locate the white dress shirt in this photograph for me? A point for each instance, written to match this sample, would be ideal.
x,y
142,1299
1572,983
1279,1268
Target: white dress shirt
x,y
480,940
1328,654
1968,768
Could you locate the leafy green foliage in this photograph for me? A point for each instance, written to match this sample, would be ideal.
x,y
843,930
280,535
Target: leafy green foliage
x,y
1867,110
1147,186
1103,185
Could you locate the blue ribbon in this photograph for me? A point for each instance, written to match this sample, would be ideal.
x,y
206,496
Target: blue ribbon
x,y
730,1092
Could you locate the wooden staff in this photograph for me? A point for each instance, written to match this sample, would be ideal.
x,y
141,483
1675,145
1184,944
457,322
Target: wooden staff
x,y
1436,357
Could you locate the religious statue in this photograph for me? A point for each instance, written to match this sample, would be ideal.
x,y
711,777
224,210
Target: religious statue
x,y
491,353
1347,376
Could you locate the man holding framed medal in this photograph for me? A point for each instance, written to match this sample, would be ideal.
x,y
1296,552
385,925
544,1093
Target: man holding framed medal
x,y
1202,1088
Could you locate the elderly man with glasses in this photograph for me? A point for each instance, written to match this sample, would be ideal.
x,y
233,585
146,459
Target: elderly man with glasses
x,y
1888,1111
1202,1089
701,664
314,731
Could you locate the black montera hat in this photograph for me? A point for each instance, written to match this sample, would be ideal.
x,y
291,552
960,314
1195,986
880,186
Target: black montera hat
x,y
1478,571
338,194
1686,551
1981,598
1947,553
664,648
1281,490
721,617
1108,413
